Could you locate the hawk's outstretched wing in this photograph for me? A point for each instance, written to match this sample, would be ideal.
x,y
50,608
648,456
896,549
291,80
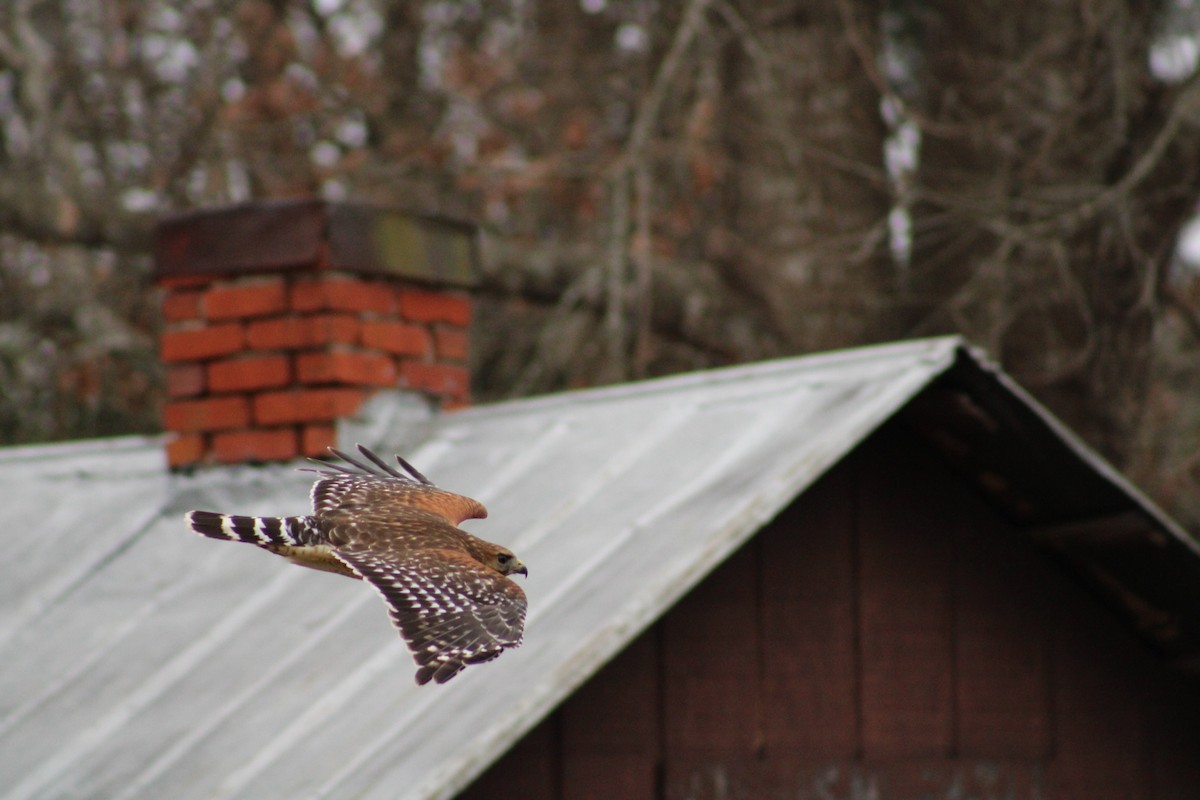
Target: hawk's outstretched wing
x,y
381,487
450,612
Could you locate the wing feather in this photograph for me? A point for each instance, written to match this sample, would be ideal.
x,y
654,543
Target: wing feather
x,y
450,610
356,485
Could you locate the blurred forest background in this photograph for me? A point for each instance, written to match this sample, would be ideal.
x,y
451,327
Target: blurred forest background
x,y
664,186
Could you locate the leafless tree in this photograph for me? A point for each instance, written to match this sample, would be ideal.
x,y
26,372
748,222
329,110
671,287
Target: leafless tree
x,y
662,186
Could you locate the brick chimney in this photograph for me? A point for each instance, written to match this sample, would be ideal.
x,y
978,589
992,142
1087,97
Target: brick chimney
x,y
280,318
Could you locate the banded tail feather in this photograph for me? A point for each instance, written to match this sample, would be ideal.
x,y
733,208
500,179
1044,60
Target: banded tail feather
x,y
261,531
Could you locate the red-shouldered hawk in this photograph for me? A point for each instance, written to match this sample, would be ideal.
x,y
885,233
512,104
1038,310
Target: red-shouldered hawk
x,y
448,592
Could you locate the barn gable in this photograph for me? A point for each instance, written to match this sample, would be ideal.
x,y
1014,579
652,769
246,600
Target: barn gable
x,y
888,635
136,660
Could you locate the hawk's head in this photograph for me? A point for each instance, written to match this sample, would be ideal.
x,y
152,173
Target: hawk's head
x,y
506,563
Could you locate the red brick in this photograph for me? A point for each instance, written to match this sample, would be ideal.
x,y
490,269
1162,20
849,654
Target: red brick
x,y
450,343
277,444
298,332
315,440
440,379
185,380
235,302
202,343
311,405
209,414
241,374
396,337
423,306
179,305
343,295
186,281
371,369
185,450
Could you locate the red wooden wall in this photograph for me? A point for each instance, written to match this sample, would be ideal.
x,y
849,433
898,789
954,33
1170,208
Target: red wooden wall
x,y
887,637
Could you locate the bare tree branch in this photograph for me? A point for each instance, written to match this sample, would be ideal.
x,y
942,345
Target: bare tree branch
x,y
621,184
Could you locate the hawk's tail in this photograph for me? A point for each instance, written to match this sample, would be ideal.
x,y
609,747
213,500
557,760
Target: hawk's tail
x,y
253,530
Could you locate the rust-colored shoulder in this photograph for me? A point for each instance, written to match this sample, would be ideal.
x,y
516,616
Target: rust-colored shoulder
x,y
378,486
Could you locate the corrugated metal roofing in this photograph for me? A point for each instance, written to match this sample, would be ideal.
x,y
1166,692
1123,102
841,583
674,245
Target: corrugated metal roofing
x,y
140,661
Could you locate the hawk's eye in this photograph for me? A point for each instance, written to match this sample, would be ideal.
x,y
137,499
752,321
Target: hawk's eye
x,y
503,558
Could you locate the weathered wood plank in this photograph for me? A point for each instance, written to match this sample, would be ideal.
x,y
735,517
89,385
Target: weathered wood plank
x,y
906,543
711,668
1002,648
611,728
810,662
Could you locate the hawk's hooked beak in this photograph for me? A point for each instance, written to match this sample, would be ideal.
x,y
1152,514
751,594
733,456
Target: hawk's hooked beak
x,y
520,570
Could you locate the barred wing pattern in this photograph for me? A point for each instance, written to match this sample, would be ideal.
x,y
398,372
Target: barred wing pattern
x,y
447,592
449,612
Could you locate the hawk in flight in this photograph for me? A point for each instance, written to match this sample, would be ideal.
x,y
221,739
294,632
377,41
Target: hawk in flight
x,y
447,591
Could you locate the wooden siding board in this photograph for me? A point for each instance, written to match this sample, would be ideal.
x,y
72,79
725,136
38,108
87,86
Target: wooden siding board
x,y
810,666
1174,741
528,771
723,777
611,729
1098,714
711,691
915,779
922,779
618,709
1002,676
905,567
606,775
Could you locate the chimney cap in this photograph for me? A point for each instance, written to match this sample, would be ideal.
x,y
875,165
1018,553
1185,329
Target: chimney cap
x,y
286,235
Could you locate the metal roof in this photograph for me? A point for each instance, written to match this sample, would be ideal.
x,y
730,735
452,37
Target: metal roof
x,y
140,661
